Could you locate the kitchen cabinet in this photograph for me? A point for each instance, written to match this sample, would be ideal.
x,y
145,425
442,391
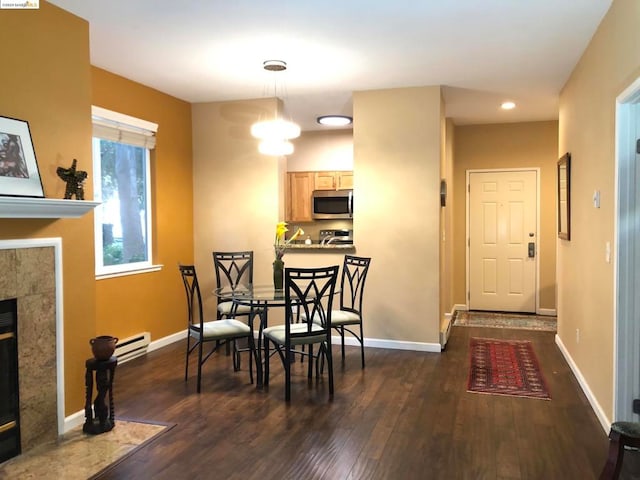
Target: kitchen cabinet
x,y
298,196
333,180
300,187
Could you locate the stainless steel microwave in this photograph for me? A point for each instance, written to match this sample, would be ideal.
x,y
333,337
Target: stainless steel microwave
x,y
328,204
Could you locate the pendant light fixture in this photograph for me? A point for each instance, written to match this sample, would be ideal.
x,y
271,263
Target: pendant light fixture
x,y
275,133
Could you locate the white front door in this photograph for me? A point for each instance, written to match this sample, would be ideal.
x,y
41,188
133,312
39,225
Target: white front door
x,y
502,240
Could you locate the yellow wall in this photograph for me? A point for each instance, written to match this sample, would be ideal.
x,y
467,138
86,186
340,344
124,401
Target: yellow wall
x,y
587,130
50,85
509,145
238,199
322,150
46,81
397,154
237,192
152,302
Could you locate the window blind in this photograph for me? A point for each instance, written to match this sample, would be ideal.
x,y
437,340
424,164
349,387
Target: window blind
x,y
118,127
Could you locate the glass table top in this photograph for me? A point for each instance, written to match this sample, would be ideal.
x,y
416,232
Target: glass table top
x,y
252,293
255,294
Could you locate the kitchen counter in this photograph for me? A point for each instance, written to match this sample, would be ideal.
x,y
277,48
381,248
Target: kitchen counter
x,y
318,247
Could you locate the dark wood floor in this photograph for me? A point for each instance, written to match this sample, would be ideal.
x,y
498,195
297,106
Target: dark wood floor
x,y
406,416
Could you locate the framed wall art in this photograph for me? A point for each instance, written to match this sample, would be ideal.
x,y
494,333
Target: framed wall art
x,y
564,197
19,175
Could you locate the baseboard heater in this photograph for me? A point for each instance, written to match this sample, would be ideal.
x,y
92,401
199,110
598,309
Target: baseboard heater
x,y
132,347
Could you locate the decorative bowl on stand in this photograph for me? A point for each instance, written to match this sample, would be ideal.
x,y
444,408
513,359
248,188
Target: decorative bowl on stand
x,y
103,346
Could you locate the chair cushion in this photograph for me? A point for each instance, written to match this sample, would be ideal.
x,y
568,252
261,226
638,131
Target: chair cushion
x,y
338,317
225,308
225,328
277,334
343,317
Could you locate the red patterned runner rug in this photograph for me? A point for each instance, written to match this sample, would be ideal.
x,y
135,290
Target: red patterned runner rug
x,y
505,367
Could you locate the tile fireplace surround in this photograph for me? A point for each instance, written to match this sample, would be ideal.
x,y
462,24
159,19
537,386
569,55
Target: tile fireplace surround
x,y
30,271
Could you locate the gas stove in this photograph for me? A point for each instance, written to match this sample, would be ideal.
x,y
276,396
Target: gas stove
x,y
336,237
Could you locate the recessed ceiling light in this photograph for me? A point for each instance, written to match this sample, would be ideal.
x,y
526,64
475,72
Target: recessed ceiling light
x,y
508,105
335,120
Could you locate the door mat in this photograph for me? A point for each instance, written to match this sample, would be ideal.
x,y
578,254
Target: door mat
x,y
78,456
505,367
505,320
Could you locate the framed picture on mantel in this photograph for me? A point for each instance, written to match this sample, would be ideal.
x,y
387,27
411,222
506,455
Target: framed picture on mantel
x,y
19,175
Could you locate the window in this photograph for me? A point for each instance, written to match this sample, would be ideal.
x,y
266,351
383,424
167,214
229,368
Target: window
x,y
121,163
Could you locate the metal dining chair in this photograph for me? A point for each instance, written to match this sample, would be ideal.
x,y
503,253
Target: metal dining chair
x,y
348,319
232,269
310,290
219,331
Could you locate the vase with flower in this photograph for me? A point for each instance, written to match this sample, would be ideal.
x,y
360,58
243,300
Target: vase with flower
x,y
280,245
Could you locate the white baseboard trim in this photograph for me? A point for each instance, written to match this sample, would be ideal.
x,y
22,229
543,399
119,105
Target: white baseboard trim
x,y
335,339
445,332
169,339
390,344
74,420
403,345
597,409
460,306
348,340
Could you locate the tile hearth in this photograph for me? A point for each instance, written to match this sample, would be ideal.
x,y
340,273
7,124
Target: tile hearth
x,y
77,456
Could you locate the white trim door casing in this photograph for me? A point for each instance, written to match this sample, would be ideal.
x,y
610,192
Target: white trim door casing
x,y
626,309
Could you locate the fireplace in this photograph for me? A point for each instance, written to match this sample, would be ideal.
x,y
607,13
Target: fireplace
x,y
31,341
9,393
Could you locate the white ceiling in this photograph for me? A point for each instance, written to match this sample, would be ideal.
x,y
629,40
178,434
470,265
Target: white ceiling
x,y
482,51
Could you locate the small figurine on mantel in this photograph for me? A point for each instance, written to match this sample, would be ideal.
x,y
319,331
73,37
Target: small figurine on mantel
x,y
74,179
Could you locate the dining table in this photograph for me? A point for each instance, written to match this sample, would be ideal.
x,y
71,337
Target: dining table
x,y
259,298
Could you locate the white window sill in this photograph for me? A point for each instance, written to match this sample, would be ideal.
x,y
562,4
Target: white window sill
x,y
152,268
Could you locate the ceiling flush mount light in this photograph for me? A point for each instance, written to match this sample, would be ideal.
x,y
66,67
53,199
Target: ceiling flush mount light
x,y
335,120
274,65
276,132
508,106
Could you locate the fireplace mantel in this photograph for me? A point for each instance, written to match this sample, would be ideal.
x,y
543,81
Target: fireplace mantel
x,y
25,207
